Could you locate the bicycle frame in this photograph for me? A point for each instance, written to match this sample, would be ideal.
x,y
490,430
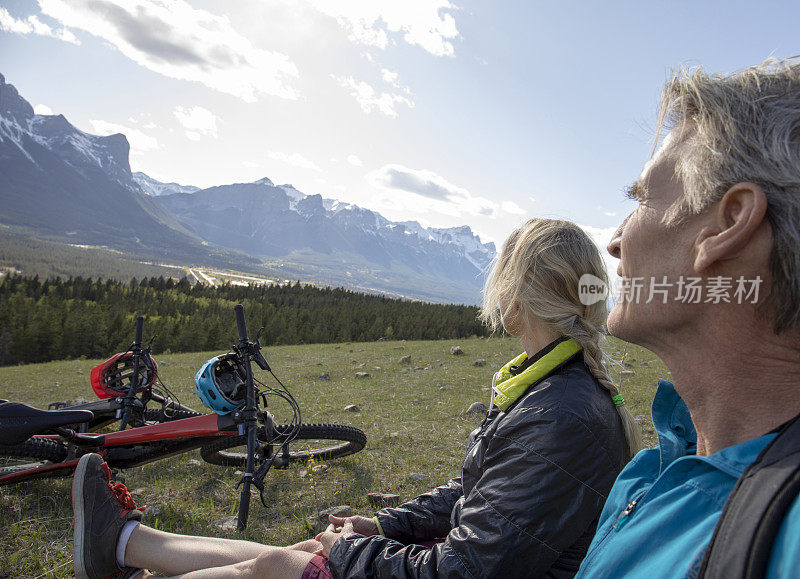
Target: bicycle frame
x,y
136,446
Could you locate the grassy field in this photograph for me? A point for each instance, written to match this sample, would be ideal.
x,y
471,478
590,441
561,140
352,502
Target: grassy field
x,y
413,414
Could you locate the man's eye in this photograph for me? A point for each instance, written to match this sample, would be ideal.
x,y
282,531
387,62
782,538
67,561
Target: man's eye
x,y
634,192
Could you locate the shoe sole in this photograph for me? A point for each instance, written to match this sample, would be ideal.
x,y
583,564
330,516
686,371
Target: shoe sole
x,y
78,515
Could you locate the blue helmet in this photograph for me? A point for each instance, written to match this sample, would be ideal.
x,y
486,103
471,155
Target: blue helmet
x,y
220,384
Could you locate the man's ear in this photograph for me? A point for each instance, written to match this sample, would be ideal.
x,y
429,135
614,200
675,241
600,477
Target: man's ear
x,y
734,220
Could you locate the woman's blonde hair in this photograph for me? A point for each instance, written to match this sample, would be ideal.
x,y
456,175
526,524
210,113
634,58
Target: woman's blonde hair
x,y
540,267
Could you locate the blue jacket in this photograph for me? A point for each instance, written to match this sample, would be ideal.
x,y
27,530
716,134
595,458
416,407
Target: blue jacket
x,y
664,506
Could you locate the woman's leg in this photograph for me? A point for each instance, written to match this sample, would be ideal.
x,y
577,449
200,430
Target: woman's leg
x,y
309,546
172,554
273,563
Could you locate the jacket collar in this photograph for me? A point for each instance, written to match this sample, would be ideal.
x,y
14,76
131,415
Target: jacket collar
x,y
507,388
673,424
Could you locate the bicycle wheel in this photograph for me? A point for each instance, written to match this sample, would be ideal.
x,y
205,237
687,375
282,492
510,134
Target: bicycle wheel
x,y
313,441
32,454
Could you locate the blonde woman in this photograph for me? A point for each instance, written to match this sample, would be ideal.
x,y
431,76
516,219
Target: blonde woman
x,y
533,482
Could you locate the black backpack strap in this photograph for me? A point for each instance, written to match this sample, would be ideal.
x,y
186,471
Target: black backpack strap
x,y
745,533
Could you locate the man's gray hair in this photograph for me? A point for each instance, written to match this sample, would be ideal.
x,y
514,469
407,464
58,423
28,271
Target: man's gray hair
x,y
745,127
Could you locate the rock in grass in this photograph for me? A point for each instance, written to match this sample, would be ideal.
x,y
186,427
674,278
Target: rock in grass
x,y
351,408
456,350
418,477
405,360
383,500
627,372
341,511
194,462
362,374
479,362
476,408
226,523
324,377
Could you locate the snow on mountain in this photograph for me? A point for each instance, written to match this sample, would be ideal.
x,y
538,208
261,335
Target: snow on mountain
x,y
290,191
157,188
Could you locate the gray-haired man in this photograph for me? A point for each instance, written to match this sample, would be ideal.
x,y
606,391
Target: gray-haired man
x,y
718,214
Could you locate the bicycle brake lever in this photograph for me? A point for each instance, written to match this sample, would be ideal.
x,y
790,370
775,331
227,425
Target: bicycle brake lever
x,y
259,359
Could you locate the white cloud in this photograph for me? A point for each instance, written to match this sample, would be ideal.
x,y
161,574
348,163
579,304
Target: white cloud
x,y
197,121
512,208
295,160
425,23
139,141
178,41
369,99
353,160
390,77
424,190
41,109
32,25
250,164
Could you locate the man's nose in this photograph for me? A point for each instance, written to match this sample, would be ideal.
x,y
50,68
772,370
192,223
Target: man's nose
x,y
614,245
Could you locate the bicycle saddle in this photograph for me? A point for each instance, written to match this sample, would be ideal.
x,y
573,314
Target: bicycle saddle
x,y
18,421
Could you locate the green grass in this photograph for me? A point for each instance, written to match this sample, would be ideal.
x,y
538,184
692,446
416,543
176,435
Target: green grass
x,y
413,415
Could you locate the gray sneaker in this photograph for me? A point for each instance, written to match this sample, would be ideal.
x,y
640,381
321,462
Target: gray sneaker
x,y
100,508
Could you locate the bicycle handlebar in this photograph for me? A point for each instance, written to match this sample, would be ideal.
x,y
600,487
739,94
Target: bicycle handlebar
x,y
137,340
240,324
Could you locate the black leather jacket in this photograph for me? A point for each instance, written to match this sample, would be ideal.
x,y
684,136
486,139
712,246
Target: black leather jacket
x,y
533,484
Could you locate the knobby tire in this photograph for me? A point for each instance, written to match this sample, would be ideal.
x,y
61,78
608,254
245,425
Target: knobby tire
x,y
31,454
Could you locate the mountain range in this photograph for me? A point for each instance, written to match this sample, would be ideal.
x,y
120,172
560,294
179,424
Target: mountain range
x,y
60,183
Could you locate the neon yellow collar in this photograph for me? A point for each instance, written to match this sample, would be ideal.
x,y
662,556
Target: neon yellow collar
x,y
508,388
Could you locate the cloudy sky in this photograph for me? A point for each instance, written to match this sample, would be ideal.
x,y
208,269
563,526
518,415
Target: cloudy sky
x,y
469,112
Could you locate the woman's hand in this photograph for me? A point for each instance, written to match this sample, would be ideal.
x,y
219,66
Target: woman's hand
x,y
361,525
332,534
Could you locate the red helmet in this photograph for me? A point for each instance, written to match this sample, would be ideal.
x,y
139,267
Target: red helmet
x,y
112,378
